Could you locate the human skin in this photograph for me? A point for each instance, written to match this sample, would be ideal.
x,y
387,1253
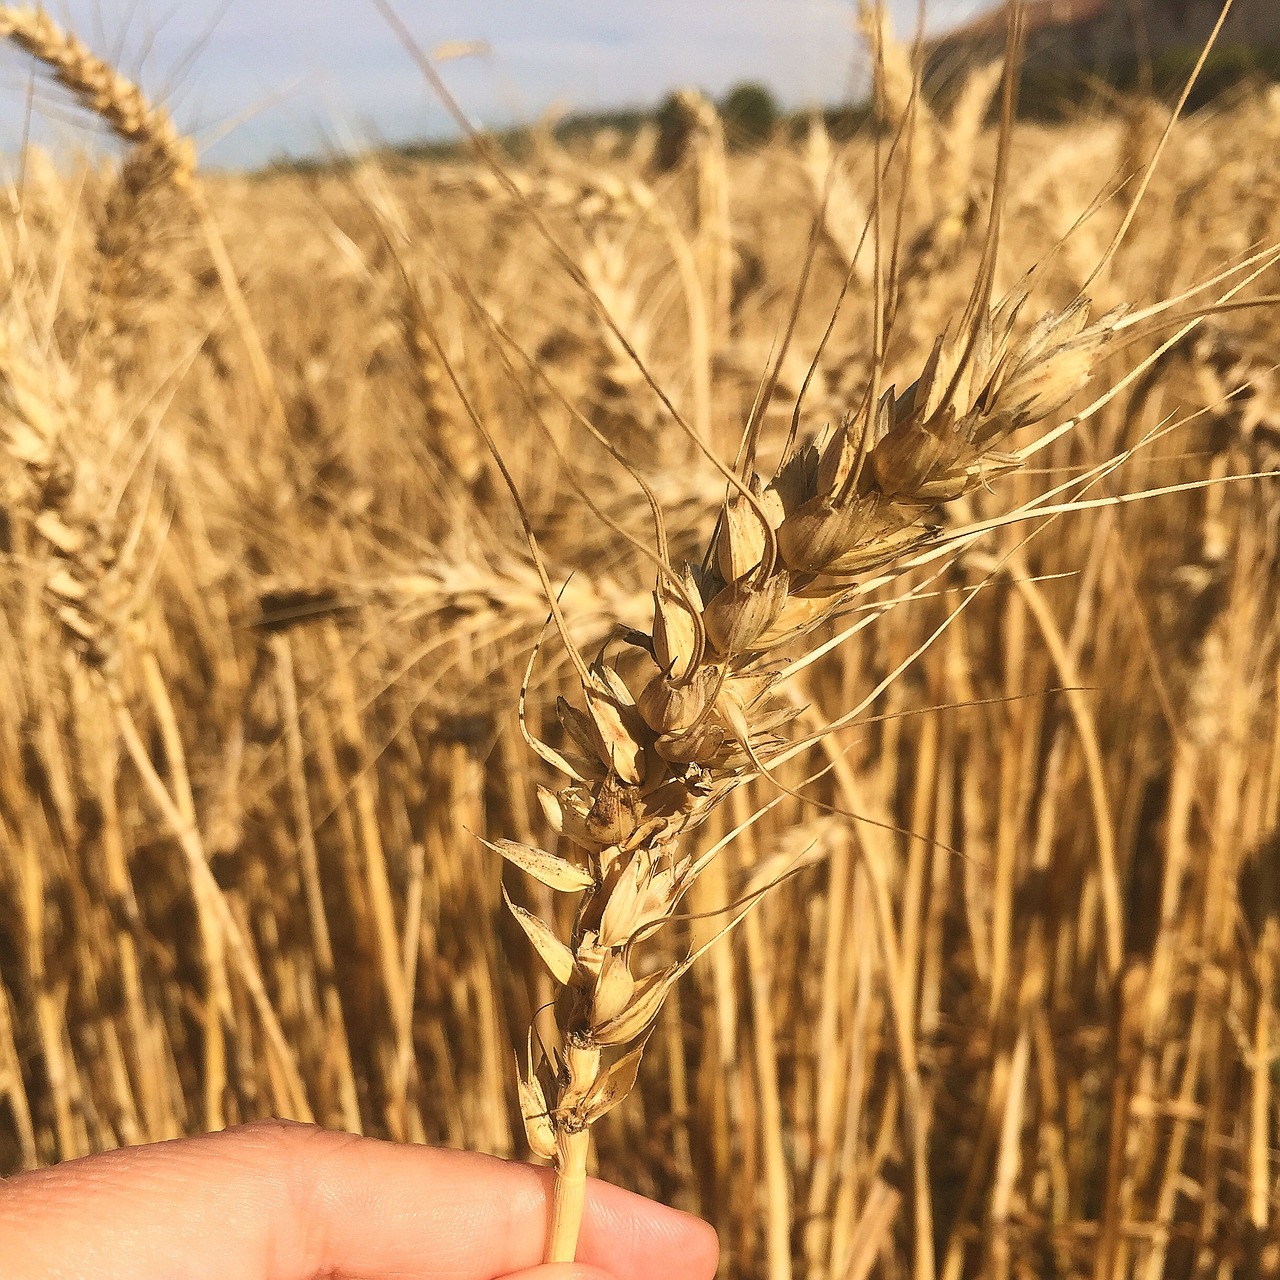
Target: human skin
x,y
279,1201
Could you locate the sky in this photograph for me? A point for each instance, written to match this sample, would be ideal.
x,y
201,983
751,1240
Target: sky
x,y
254,80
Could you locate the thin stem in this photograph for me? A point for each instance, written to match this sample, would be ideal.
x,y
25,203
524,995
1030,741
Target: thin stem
x,y
569,1195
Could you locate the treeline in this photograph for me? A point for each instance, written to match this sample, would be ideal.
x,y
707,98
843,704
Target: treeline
x,y
750,111
752,114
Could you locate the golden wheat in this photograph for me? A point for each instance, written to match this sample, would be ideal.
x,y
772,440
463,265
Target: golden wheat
x,y
1010,1008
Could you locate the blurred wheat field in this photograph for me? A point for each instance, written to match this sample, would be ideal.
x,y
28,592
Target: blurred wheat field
x,y
266,610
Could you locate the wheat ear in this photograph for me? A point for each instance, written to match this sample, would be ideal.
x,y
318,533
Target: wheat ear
x,y
161,152
685,713
101,89
650,757
677,717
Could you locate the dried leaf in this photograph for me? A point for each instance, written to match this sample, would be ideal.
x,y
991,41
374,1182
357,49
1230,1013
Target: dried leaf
x,y
555,955
538,1128
613,1085
555,873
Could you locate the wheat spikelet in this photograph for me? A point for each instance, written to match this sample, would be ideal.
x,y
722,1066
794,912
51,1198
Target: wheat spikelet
x,y
955,202
844,216
51,500
587,196
899,101
140,263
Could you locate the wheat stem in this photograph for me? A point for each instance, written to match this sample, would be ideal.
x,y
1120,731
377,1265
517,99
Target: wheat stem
x,y
568,1196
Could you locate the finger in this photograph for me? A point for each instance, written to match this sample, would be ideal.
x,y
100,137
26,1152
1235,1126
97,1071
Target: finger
x,y
289,1202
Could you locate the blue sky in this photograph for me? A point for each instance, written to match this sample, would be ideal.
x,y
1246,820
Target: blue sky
x,y
253,79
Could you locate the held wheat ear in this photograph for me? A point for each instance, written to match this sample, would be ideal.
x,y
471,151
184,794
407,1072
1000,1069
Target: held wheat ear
x,y
689,710
650,757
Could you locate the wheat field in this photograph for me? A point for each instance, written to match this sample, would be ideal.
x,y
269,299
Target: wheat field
x,y
266,608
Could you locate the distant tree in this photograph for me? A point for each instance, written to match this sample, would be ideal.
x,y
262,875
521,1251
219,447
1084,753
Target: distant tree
x,y
750,113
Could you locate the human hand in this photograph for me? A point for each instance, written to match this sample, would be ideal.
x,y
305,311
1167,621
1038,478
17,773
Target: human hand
x,y
279,1201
